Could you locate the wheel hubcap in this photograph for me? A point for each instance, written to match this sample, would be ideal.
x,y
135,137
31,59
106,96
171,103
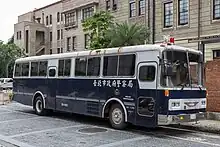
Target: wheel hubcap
x,y
39,106
117,116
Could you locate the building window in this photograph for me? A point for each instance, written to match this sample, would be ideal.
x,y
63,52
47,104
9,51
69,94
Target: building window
x,y
61,16
61,33
168,14
114,4
47,21
216,54
108,4
74,43
58,34
42,18
51,37
50,19
132,8
70,19
87,41
58,50
87,12
183,12
68,44
216,9
142,7
19,35
58,16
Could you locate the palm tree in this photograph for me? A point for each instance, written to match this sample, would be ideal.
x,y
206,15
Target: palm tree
x,y
125,34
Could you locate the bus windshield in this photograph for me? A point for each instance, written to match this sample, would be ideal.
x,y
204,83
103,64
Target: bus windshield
x,y
186,69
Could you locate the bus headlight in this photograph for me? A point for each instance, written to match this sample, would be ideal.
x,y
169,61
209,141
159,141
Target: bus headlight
x,y
203,102
175,104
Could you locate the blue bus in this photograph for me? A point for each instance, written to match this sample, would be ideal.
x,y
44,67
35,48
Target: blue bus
x,y
144,85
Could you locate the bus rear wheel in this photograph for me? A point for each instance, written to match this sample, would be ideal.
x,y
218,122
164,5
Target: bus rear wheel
x,y
117,117
39,106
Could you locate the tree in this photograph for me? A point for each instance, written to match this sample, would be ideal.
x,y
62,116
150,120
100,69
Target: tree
x,y
9,52
11,40
125,34
97,25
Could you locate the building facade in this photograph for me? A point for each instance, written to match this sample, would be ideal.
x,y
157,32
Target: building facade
x,y
58,28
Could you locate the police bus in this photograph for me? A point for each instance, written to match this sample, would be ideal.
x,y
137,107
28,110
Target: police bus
x,y
144,85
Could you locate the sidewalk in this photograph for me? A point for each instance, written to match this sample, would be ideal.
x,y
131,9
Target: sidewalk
x,y
211,124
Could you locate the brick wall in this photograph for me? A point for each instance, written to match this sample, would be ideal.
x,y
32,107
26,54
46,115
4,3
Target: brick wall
x,y
212,72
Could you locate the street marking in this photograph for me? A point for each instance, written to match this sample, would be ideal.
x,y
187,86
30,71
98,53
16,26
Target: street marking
x,y
14,142
124,141
46,130
14,120
199,133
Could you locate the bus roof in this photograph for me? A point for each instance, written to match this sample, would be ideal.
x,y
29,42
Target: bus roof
x,y
108,51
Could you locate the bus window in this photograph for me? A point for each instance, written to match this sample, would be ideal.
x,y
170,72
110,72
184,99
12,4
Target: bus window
x,y
110,66
25,69
43,69
126,65
93,66
80,69
67,67
18,70
64,67
34,69
61,68
52,72
147,73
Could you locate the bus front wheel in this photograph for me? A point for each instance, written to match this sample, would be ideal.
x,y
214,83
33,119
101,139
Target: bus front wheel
x,y
39,106
117,117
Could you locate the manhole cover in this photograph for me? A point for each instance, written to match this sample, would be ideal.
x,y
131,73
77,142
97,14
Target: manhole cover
x,y
92,130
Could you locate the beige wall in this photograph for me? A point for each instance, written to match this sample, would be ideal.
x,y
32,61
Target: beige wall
x,y
209,27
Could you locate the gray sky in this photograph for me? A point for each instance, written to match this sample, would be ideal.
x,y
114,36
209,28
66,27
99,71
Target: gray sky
x,y
9,11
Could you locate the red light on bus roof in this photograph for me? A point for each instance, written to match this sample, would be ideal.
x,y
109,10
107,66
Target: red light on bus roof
x,y
172,40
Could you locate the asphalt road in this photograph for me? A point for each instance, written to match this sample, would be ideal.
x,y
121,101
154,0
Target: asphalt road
x,y
20,127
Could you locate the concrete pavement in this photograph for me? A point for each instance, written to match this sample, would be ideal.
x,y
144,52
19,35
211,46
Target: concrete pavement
x,y
19,126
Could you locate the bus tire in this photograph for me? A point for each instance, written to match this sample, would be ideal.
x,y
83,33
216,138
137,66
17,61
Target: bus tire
x,y
117,117
39,106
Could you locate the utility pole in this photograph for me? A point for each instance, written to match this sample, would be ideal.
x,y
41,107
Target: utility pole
x,y
145,18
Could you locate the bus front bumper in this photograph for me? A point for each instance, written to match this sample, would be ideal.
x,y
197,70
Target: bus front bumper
x,y
181,118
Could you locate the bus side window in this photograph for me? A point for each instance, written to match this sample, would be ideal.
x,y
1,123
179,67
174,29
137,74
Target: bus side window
x,y
18,70
52,72
147,73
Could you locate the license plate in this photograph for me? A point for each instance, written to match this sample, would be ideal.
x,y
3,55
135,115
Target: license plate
x,y
192,116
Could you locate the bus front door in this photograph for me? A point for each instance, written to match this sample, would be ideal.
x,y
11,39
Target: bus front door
x,y
146,112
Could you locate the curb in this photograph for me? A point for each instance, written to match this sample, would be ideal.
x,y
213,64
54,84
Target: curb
x,y
213,115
